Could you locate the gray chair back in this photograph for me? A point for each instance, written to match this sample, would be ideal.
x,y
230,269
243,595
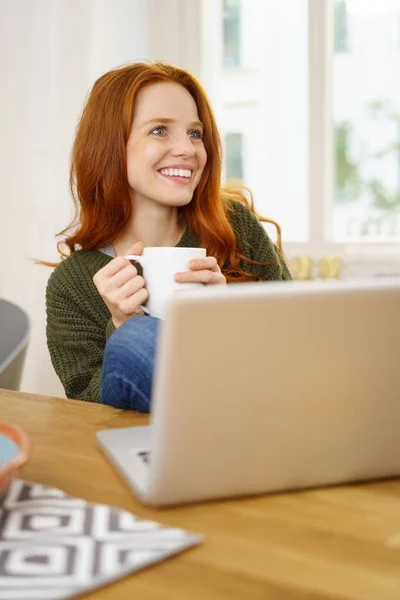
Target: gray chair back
x,y
14,338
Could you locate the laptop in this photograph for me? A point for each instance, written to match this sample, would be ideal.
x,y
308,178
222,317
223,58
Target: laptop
x,y
267,387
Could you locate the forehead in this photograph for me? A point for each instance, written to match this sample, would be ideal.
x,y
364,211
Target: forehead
x,y
164,99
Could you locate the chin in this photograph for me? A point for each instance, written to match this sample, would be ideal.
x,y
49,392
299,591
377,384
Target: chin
x,y
177,202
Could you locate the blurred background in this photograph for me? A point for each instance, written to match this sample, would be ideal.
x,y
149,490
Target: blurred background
x,y
306,95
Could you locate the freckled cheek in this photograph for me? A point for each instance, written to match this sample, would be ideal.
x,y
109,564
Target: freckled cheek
x,y
143,158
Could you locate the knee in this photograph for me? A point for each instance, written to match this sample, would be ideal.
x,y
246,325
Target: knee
x,y
137,336
128,364
139,329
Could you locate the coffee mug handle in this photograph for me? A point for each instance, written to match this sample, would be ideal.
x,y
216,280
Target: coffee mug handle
x,y
139,259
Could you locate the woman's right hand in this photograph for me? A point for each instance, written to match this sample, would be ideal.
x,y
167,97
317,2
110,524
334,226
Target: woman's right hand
x,y
121,288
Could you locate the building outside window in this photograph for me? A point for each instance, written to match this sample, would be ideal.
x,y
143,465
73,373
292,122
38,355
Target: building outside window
x,y
231,33
234,156
341,41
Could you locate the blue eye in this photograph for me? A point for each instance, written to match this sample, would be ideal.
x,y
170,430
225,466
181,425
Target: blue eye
x,y
196,134
159,131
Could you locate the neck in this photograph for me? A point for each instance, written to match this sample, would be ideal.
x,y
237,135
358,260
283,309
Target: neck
x,y
154,225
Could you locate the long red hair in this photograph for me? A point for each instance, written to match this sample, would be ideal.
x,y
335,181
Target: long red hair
x,y
98,176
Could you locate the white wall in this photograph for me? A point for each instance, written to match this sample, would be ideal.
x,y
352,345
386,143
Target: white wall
x,y
51,51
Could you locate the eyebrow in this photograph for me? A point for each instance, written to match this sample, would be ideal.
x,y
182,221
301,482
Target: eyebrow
x,y
163,120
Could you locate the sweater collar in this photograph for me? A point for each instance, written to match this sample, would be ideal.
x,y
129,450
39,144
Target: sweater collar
x,y
188,240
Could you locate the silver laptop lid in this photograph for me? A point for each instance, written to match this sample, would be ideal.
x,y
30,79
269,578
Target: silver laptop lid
x,y
270,386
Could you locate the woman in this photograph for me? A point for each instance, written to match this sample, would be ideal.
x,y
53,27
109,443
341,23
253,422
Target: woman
x,y
146,171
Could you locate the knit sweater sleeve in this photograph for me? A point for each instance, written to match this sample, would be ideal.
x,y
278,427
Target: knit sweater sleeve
x,y
256,244
78,325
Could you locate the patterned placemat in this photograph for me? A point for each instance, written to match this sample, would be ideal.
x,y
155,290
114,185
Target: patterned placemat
x,y
54,546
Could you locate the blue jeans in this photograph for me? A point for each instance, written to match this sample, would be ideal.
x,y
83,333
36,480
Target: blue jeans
x,y
128,363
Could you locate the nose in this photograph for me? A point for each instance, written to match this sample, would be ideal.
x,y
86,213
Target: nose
x,y
183,146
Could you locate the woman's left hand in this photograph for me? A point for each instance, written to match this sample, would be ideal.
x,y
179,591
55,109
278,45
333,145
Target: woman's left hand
x,y
202,270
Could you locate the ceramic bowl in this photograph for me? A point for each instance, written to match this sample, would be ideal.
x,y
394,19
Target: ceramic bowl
x,y
15,449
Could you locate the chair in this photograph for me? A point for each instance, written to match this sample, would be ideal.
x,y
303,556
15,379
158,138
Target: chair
x,y
14,338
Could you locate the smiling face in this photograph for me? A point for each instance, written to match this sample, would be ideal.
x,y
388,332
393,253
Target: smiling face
x,y
165,151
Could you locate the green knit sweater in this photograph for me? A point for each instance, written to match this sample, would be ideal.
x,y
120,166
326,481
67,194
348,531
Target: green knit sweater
x,y
79,323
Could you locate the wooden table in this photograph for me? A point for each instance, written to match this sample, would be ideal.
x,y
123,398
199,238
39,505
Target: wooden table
x,y
338,543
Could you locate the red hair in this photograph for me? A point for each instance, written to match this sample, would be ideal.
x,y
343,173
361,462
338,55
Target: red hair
x,y
98,176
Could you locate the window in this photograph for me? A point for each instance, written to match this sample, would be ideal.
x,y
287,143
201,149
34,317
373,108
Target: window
x,y
366,114
231,35
318,103
257,100
234,156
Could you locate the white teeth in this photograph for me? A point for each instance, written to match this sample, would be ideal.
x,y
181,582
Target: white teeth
x,y
176,172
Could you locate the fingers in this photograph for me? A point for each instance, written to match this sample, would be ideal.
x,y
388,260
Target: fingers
x,y
117,280
111,268
135,249
127,289
117,271
207,263
121,288
207,277
107,283
202,270
118,264
132,304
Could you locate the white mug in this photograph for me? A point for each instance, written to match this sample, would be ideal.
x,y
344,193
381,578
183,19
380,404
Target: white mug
x,y
160,265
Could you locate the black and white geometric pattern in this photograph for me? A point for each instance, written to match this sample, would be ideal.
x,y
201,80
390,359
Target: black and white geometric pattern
x,y
53,546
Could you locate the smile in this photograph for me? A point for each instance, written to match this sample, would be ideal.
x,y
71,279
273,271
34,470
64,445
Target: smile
x,y
176,172
180,176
